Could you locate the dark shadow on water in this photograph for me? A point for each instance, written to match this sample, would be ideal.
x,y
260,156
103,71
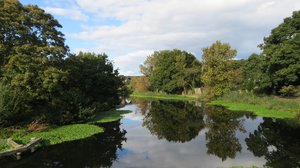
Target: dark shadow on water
x,y
96,151
278,141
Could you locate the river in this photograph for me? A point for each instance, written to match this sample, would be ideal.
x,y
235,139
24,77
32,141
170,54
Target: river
x,y
163,134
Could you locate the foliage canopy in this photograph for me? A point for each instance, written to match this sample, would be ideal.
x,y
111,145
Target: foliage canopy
x,y
282,53
218,71
40,79
173,71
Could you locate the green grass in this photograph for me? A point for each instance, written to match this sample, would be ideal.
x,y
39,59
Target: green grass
x,y
265,106
151,95
257,109
59,135
109,116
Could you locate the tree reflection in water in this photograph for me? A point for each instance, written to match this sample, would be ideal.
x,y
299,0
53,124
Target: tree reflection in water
x,y
97,151
221,135
142,104
182,122
278,141
174,121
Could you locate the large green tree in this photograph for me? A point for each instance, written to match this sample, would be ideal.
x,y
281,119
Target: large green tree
x,y
255,77
173,71
31,54
92,85
96,77
29,30
51,87
282,53
218,71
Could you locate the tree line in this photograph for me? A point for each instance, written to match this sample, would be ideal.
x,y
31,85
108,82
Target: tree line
x,y
40,80
276,70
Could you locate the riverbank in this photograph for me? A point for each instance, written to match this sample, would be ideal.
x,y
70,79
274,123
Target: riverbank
x,y
265,106
55,135
152,95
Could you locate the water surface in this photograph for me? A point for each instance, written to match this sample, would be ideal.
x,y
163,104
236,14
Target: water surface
x,y
177,134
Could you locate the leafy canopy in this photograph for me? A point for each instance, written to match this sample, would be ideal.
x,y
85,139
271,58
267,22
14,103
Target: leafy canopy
x,y
282,53
29,30
42,80
173,71
218,70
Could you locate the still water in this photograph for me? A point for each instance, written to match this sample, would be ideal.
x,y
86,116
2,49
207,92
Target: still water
x,y
163,134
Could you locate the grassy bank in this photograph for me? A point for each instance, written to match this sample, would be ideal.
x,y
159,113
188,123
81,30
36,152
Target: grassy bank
x,y
56,135
152,95
265,106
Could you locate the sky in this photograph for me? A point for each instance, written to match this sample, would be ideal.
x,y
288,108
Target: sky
x,y
130,30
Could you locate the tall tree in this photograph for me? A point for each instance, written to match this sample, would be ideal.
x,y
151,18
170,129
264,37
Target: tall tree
x,y
93,84
282,53
29,30
173,71
217,68
49,86
31,53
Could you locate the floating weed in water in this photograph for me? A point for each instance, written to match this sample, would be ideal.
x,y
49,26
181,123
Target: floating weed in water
x,y
60,134
56,135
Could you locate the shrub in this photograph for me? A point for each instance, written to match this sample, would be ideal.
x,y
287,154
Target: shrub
x,y
288,90
13,106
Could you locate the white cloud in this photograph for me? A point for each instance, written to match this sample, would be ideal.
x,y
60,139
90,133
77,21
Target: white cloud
x,y
149,25
187,25
74,14
129,63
